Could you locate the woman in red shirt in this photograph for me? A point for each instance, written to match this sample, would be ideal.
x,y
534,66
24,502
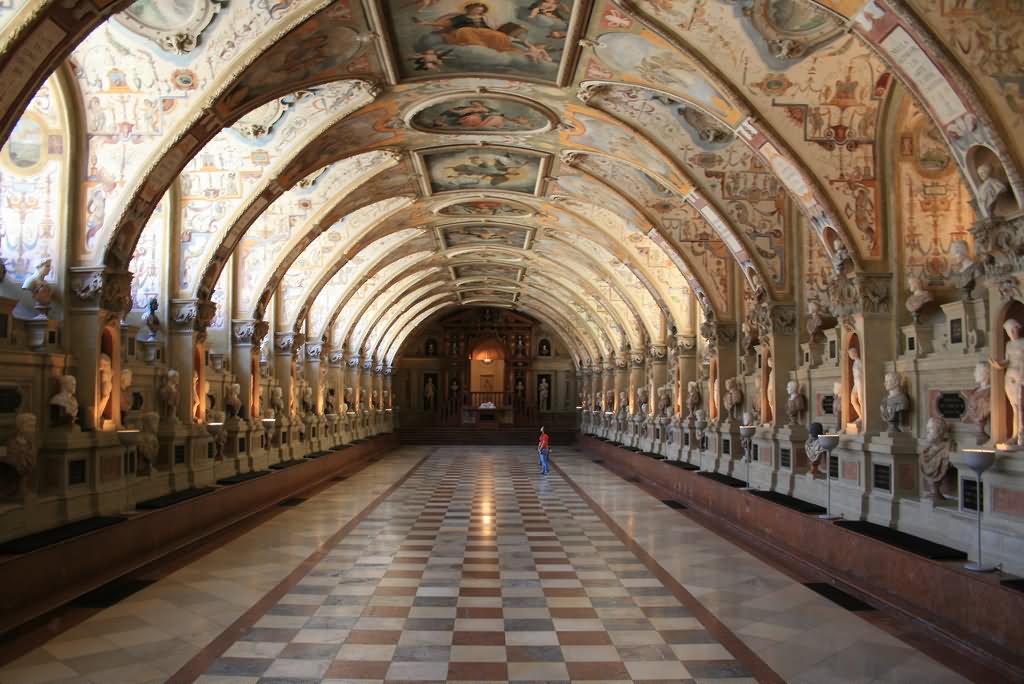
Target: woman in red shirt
x,y
543,451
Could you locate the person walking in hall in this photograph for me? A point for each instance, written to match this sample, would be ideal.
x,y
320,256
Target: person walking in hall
x,y
542,451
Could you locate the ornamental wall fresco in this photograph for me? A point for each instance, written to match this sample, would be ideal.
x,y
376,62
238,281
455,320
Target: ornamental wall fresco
x,y
33,178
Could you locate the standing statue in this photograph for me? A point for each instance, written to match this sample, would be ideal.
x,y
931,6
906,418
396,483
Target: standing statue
x,y
641,400
428,394
896,404
919,296
733,400
840,255
938,445
64,404
543,393
770,390
692,399
609,401
1013,364
168,394
350,400
151,320
105,380
375,399
813,448
307,399
233,403
979,403
197,409
964,270
21,451
857,385
796,404
149,444
664,402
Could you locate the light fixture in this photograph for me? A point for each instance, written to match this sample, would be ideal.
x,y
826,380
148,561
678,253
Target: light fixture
x,y
979,460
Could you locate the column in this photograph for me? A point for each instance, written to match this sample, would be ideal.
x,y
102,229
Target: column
x,y
621,379
636,380
286,346
658,358
335,378
686,368
246,338
315,370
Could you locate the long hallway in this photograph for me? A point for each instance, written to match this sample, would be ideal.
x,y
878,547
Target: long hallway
x,y
464,564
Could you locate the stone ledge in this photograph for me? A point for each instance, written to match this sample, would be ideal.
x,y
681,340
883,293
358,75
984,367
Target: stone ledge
x,y
37,582
965,605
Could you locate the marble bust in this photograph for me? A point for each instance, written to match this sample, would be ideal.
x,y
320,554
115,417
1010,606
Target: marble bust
x,y
733,399
42,293
813,449
934,457
149,444
692,399
64,404
990,188
896,403
919,296
169,395
979,403
233,402
796,404
126,390
964,269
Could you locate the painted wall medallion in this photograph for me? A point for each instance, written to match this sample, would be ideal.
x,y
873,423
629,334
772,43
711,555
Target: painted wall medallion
x,y
490,208
480,115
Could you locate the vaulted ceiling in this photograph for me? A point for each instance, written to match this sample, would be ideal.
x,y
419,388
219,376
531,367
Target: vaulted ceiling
x,y
349,170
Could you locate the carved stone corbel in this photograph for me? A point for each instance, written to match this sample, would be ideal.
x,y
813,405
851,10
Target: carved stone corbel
x,y
999,244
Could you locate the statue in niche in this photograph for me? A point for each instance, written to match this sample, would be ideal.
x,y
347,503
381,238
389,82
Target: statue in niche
x,y
151,320
979,403
350,399
749,337
126,390
196,411
105,380
168,394
837,402
329,407
544,349
64,404
149,444
428,393
623,405
431,348
233,403
520,346
609,401
21,451
692,399
385,398
1013,364
770,390
375,400
213,415
964,270
796,404
919,296
307,399
42,293
543,394
813,448
896,403
520,389
934,458
990,188
857,384
733,400
293,390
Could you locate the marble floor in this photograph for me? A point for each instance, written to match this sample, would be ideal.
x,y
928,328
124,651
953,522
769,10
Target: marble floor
x,y
464,564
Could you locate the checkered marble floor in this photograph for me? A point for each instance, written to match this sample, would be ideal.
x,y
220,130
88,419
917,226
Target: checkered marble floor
x,y
478,569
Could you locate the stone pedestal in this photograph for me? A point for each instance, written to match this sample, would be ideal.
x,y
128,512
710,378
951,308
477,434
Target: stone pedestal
x,y
791,457
83,471
724,444
890,473
916,341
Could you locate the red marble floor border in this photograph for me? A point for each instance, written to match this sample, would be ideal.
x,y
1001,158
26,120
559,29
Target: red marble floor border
x,y
760,670
201,662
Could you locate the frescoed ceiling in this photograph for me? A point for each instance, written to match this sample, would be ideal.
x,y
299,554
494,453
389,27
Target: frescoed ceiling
x,y
348,169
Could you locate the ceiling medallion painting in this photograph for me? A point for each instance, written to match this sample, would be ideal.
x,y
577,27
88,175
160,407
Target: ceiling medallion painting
x,y
175,26
522,38
792,28
489,114
483,168
485,236
487,208
487,271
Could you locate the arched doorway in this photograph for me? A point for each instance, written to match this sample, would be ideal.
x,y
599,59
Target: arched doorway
x,y
487,372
